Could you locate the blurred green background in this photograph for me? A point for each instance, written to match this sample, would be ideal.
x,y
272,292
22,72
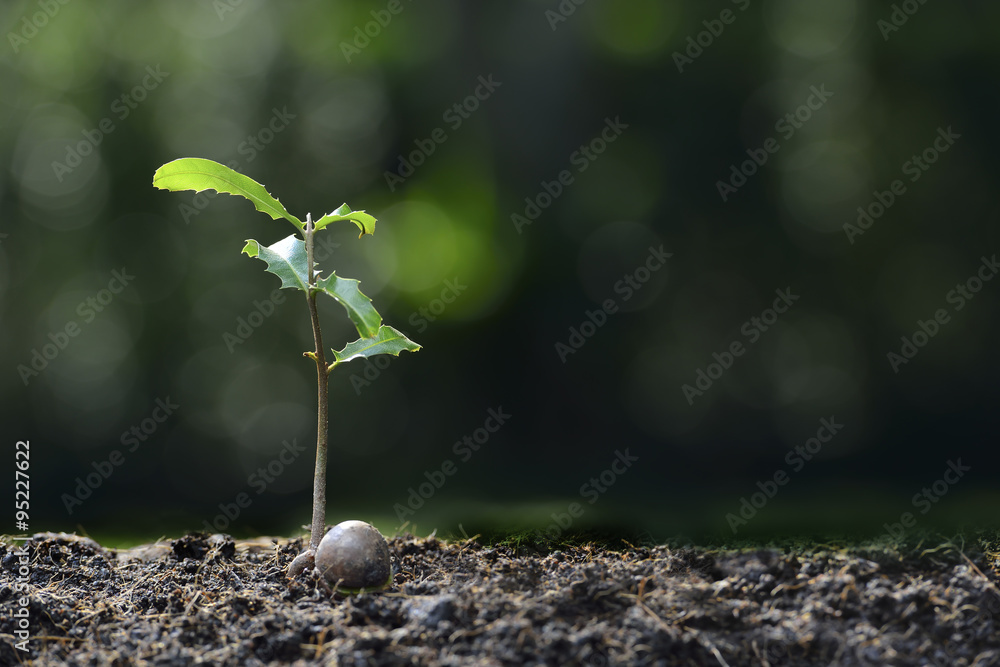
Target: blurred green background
x,y
447,121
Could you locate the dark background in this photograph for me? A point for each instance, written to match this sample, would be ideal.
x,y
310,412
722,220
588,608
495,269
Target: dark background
x,y
233,65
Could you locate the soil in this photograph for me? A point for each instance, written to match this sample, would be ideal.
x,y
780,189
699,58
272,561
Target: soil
x,y
209,600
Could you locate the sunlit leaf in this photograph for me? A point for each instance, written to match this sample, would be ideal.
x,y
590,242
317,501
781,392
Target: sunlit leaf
x,y
386,341
364,221
199,174
359,307
285,259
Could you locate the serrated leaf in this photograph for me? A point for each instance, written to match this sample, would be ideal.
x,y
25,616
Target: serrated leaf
x,y
198,174
386,341
364,221
359,307
285,259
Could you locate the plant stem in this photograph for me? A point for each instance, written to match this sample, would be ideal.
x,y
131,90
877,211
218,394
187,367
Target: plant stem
x,y
323,381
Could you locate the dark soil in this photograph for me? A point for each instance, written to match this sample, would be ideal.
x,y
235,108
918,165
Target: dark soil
x,y
210,600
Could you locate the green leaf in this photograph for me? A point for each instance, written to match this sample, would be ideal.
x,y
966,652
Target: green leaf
x,y
364,221
359,307
387,341
287,260
198,174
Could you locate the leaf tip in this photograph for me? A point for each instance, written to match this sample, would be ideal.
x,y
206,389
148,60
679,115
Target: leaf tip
x,y
252,248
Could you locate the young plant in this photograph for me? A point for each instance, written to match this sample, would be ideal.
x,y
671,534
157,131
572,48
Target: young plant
x,y
291,259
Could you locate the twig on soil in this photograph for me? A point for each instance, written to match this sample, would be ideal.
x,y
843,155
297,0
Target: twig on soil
x,y
672,632
989,584
194,600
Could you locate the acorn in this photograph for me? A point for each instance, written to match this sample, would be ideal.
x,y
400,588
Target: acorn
x,y
354,555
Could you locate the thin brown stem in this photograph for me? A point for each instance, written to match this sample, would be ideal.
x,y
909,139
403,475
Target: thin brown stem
x,y
322,422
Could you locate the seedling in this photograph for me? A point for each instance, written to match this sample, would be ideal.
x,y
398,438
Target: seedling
x,y
291,259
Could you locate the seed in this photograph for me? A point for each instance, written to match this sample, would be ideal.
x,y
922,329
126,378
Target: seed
x,y
353,554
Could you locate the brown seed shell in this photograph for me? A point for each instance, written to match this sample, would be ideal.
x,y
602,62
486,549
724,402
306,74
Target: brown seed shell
x,y
353,554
